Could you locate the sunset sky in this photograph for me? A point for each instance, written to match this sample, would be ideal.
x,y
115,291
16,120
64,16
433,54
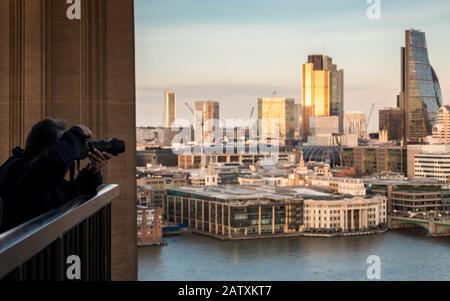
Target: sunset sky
x,y
235,51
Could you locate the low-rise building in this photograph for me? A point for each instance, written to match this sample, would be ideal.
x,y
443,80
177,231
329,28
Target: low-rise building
x,y
345,215
343,186
433,166
419,200
370,160
156,156
149,226
234,213
195,161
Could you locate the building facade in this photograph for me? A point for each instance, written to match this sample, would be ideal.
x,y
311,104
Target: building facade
x,y
156,156
83,72
322,91
420,97
391,124
355,123
416,201
277,117
343,186
432,166
346,215
370,161
210,115
441,130
149,226
170,108
233,213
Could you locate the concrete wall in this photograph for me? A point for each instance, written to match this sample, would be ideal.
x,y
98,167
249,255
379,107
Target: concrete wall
x,y
81,71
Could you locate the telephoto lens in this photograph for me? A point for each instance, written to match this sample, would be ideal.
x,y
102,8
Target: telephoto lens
x,y
112,146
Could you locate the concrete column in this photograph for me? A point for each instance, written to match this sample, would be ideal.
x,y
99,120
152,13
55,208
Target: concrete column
x,y
196,214
273,219
203,215
366,218
215,220
286,225
175,210
259,220
167,204
352,220
209,218
182,210
229,222
189,212
223,220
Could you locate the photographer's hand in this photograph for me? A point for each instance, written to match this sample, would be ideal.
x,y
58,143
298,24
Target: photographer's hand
x,y
98,160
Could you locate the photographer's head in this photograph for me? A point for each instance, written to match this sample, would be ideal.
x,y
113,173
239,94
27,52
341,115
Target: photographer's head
x,y
43,135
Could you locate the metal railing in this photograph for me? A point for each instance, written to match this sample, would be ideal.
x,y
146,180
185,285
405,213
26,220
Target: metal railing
x,y
39,249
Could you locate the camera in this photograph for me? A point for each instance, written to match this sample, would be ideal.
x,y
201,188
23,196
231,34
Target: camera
x,y
113,146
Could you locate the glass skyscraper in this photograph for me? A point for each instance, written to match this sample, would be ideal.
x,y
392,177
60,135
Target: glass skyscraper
x,y
322,91
421,96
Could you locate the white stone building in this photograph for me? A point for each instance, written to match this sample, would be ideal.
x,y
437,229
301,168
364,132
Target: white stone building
x,y
346,215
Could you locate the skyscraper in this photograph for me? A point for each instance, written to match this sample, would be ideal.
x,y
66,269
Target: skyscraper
x,y
170,108
210,112
420,97
391,124
322,91
278,118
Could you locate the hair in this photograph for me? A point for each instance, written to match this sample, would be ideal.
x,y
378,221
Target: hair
x,y
43,135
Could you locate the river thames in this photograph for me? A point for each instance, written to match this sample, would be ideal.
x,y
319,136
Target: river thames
x,y
405,255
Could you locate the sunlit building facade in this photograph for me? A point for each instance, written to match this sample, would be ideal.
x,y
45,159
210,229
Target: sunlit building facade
x,y
441,130
170,108
421,96
210,114
277,117
322,91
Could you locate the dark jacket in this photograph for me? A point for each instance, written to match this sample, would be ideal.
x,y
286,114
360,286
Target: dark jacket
x,y
30,187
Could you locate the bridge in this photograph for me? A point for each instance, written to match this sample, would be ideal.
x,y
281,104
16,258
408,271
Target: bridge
x,y
434,227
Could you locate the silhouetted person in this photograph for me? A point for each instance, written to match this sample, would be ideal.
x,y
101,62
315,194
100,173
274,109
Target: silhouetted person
x,y
32,181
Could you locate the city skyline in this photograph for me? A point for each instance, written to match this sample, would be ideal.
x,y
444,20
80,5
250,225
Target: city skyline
x,y
259,52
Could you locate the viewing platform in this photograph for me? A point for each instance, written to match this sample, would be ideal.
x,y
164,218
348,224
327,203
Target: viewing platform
x,y
39,249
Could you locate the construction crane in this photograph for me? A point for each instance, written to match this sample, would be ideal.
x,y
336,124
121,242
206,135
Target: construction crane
x,y
203,128
251,117
369,117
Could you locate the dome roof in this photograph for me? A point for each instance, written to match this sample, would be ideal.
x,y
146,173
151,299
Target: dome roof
x,y
326,154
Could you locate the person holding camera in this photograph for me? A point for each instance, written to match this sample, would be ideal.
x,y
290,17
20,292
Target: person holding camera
x,y
33,180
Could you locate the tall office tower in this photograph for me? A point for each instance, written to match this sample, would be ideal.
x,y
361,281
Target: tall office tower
x,y
322,91
420,97
278,119
355,123
170,108
81,71
441,131
391,124
210,112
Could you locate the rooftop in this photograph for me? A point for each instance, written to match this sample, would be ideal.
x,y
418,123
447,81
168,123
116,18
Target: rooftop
x,y
243,193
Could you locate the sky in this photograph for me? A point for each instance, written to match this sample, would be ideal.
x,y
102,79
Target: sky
x,y
236,51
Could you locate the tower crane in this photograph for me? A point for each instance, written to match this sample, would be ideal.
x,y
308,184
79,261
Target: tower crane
x,y
369,118
203,128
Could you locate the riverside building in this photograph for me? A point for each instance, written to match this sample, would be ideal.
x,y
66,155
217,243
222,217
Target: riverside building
x,y
235,213
345,216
